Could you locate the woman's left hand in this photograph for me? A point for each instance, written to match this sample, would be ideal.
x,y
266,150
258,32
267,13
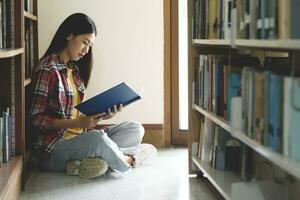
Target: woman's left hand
x,y
110,114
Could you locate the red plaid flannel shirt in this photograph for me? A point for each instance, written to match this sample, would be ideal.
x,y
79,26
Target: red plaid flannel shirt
x,y
52,99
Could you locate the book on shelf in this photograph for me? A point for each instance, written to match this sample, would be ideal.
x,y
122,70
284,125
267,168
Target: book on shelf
x,y
289,15
255,19
212,19
28,6
6,136
248,99
201,138
291,114
119,94
206,151
236,113
1,141
265,104
227,151
1,37
218,87
233,87
259,106
275,112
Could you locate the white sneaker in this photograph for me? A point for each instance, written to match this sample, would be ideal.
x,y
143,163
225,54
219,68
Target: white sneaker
x,y
145,153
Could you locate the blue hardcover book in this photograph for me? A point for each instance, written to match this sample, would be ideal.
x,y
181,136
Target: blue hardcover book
x,y
291,113
275,113
219,91
119,94
266,106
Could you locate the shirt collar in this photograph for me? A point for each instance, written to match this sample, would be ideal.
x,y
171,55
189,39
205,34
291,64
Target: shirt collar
x,y
62,66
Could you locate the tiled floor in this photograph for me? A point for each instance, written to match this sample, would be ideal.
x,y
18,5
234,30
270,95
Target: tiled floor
x,y
166,179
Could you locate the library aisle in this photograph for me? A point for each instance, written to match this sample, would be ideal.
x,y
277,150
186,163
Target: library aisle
x,y
166,179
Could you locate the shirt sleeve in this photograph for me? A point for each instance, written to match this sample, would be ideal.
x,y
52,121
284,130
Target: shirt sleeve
x,y
41,88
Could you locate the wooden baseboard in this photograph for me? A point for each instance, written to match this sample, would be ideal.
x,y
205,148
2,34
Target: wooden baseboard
x,y
154,134
153,126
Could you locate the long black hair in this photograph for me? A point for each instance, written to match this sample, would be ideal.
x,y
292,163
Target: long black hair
x,y
76,24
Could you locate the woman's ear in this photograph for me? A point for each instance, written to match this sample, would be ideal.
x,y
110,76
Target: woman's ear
x,y
70,36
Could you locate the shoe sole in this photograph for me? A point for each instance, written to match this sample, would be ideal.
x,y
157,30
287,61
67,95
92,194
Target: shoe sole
x,y
89,168
72,168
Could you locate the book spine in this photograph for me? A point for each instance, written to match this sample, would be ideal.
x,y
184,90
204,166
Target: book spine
x,y
1,141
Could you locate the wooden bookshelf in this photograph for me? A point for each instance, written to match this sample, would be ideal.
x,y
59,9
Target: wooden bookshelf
x,y
7,53
10,181
276,40
13,83
222,180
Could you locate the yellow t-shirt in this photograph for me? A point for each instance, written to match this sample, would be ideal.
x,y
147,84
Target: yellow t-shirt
x,y
72,132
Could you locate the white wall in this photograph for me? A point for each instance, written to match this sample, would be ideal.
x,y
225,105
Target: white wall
x,y
129,48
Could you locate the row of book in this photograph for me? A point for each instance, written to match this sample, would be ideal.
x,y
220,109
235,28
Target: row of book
x,y
212,19
270,111
212,89
217,147
246,19
257,19
7,137
263,104
224,153
7,26
30,54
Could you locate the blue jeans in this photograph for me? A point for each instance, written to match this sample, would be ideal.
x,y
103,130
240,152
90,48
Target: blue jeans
x,y
97,143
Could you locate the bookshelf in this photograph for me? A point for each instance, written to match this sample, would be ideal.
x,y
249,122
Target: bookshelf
x,y
265,35
220,180
15,20
290,165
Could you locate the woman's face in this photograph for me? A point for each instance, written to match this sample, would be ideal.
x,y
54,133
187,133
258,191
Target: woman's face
x,y
79,45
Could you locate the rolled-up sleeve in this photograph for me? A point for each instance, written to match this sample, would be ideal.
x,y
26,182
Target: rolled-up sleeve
x,y
41,88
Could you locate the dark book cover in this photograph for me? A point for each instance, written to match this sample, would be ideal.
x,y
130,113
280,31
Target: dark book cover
x,y
119,94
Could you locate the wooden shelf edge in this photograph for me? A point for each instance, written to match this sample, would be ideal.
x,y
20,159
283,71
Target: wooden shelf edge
x,y
9,173
213,117
30,16
27,81
280,44
286,163
277,44
289,165
11,52
219,179
212,42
